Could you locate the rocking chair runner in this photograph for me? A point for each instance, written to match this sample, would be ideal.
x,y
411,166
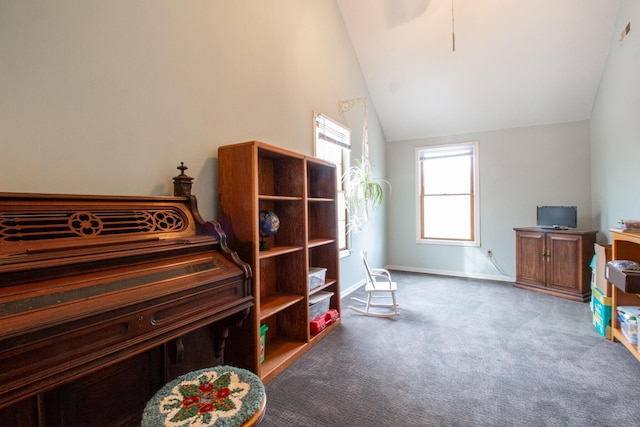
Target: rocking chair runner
x,y
379,285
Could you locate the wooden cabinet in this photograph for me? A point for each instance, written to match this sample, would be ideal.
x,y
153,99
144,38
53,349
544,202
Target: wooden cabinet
x,y
625,246
555,262
301,191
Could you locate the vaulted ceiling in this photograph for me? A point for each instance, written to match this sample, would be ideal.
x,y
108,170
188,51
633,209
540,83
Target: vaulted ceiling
x,y
516,63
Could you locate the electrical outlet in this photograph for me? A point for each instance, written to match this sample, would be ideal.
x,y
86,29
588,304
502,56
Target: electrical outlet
x,y
489,253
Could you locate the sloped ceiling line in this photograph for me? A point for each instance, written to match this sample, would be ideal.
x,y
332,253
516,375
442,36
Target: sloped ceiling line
x,y
515,63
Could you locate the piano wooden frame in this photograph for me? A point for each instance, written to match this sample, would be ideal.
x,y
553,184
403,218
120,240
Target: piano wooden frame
x,y
99,294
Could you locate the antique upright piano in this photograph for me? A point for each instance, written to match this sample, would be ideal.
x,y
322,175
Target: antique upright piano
x,y
104,299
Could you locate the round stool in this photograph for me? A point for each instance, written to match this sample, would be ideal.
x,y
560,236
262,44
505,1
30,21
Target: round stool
x,y
219,396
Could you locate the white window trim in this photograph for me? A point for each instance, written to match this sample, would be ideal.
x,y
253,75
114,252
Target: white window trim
x,y
476,198
341,131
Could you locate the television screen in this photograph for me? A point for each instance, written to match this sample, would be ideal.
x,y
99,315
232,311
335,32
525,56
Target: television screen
x,y
558,216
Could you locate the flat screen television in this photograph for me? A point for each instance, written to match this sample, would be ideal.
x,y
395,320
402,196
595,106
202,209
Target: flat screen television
x,y
557,216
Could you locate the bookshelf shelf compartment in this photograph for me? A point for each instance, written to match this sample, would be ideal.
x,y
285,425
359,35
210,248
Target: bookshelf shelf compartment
x,y
274,251
327,284
280,198
319,242
274,304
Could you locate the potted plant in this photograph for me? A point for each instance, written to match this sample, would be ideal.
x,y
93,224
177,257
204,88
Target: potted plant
x,y
363,193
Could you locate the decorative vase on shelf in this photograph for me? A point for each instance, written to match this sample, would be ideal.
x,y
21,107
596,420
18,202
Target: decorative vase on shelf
x,y
268,224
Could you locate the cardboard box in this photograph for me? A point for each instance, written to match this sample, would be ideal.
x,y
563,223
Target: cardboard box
x,y
592,282
603,255
601,305
603,328
626,281
601,313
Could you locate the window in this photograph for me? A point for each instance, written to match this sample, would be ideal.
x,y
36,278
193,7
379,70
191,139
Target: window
x,y
448,192
333,144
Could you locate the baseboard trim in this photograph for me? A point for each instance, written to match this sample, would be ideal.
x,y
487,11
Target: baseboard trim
x,y
359,284
451,273
352,288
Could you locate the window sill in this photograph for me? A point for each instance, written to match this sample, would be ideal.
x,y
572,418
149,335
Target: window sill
x,y
447,242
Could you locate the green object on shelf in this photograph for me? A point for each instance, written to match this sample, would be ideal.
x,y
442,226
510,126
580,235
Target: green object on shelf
x,y
263,339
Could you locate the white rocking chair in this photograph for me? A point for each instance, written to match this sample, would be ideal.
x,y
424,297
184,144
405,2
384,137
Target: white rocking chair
x,y
379,285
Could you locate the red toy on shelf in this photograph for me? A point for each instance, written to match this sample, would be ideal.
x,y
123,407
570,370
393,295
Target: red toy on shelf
x,y
321,322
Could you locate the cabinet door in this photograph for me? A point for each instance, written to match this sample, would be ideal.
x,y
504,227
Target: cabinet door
x,y
530,258
564,261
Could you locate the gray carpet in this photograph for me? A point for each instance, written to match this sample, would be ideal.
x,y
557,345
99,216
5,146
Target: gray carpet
x,y
462,353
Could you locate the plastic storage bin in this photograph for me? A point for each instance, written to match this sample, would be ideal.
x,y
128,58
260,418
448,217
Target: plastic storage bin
x,y
316,277
628,316
319,304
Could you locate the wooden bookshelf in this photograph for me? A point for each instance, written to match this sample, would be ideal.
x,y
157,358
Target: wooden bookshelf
x,y
301,190
626,246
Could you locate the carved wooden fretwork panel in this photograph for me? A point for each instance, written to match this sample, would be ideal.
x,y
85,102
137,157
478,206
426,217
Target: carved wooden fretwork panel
x,y
31,226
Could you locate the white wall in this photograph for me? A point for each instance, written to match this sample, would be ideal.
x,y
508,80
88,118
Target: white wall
x,y
590,164
108,97
615,127
519,169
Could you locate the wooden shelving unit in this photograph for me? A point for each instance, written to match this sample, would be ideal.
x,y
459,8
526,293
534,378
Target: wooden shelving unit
x,y
625,246
301,190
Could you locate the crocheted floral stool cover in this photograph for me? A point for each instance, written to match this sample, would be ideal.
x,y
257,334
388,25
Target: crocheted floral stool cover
x,y
219,396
